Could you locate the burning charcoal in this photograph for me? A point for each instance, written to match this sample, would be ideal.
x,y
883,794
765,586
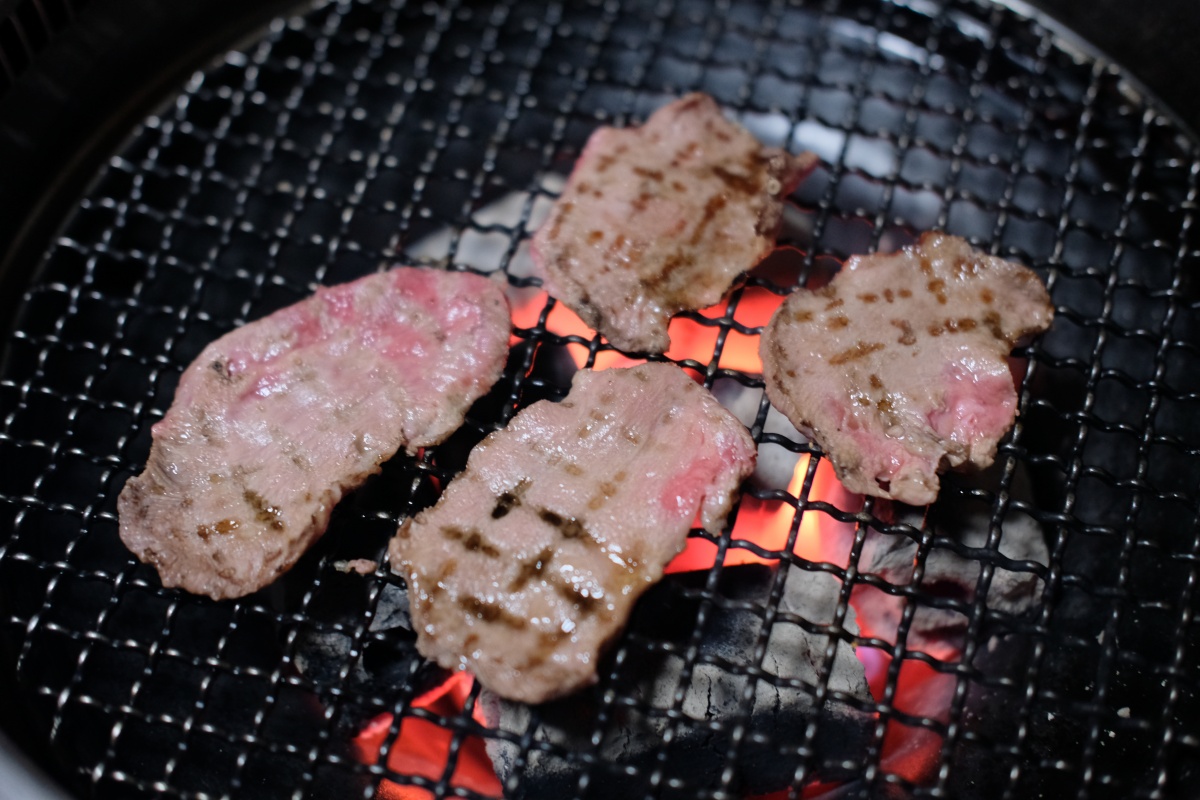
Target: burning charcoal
x,y
964,520
717,697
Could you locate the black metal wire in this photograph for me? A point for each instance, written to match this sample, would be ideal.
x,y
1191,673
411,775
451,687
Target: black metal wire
x,y
358,132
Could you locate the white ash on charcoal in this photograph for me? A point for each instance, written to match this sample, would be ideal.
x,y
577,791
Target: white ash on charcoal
x,y
743,676
952,566
321,655
391,611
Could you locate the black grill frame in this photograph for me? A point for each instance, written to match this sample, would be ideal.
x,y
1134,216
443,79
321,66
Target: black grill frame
x,y
108,311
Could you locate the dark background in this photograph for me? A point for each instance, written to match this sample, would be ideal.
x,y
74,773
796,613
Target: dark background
x,y
1157,40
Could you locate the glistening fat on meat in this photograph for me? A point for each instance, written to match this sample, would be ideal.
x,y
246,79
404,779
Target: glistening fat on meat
x,y
898,367
663,218
531,561
275,421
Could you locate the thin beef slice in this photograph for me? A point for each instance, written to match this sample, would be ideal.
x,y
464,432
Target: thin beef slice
x,y
898,367
663,218
531,561
276,420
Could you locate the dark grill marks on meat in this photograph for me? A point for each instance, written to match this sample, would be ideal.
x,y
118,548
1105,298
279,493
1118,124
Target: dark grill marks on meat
x,y
264,512
471,539
531,569
568,527
906,331
898,367
858,351
663,218
491,612
275,421
563,552
509,499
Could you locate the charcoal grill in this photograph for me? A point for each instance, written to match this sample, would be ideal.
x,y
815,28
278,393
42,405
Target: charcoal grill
x,y
345,135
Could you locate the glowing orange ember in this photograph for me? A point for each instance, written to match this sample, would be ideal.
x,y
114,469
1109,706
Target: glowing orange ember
x,y
909,751
754,310
690,339
422,747
527,307
768,523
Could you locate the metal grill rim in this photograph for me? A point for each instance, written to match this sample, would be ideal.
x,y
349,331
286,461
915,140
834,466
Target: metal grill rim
x,y
112,303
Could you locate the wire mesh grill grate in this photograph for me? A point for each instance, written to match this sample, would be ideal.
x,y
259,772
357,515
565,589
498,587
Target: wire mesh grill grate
x,y
361,133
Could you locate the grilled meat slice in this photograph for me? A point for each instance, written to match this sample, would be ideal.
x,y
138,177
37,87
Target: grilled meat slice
x,y
274,421
898,367
531,561
662,218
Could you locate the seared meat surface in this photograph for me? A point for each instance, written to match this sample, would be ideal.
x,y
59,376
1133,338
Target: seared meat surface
x,y
531,561
274,421
662,218
898,367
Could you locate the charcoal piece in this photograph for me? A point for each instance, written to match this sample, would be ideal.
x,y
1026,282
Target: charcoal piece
x,y
321,654
949,574
721,694
391,609
388,660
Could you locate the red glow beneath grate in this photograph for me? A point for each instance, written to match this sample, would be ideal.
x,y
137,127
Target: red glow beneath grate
x,y
768,523
422,747
689,339
910,752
